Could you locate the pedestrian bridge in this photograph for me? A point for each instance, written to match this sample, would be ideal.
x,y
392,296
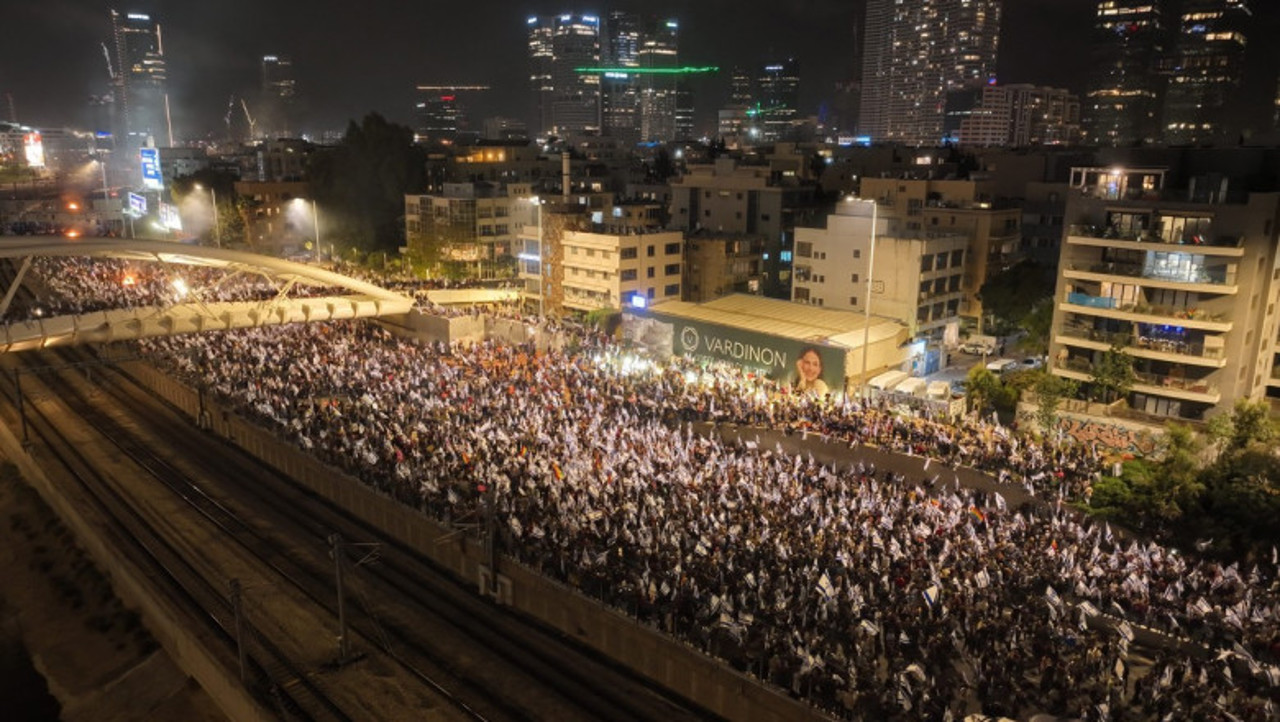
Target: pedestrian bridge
x,y
357,299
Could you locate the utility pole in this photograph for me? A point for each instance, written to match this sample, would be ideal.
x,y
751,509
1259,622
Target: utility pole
x,y
338,550
22,411
238,607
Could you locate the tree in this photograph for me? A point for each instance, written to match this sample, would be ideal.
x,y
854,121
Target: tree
x,y
1248,423
983,387
360,184
1012,295
1113,374
230,219
1048,392
1241,500
1037,323
663,168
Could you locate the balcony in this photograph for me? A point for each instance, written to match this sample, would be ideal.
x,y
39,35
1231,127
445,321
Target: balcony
x,y
1217,279
1183,238
1084,299
1182,388
1209,245
1199,390
1105,307
1209,354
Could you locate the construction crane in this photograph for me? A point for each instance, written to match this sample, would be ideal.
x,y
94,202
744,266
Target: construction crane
x,y
249,118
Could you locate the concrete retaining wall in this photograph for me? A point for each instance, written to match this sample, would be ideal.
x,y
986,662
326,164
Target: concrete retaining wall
x,y
711,684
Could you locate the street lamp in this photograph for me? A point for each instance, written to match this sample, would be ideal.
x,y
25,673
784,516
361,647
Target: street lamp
x,y
315,225
866,326
217,231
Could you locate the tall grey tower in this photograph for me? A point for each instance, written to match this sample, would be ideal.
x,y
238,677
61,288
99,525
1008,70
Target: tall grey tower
x,y
279,92
140,79
916,52
1122,103
568,101
1205,70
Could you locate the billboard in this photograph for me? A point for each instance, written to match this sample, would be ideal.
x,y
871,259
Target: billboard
x,y
151,179
137,205
169,216
33,149
805,366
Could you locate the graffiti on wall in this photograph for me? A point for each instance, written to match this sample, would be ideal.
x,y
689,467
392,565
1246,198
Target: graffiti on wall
x,y
1104,434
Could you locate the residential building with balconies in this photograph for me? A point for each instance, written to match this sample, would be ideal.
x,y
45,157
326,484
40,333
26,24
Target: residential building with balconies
x,y
1183,280
604,270
468,226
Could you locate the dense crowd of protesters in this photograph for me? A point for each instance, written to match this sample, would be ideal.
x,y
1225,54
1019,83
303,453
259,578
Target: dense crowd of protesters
x,y
870,594
74,285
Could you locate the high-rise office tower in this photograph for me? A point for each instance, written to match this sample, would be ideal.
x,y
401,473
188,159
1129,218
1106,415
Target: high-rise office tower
x,y
1205,69
683,128
916,52
620,38
279,91
740,88
568,101
1121,106
139,79
659,49
778,98
441,112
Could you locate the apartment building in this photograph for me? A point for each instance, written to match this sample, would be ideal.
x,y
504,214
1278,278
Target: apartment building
x,y
1183,279
928,208
719,264
575,257
913,277
467,224
725,197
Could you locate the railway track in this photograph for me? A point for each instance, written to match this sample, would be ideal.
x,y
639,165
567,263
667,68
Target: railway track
x,y
482,661
277,681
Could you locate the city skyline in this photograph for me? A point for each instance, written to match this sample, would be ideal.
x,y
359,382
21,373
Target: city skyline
x,y
212,53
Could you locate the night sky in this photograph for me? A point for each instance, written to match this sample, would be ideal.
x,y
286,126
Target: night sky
x,y
354,57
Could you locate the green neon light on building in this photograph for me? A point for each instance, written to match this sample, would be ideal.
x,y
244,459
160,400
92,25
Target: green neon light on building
x,y
653,71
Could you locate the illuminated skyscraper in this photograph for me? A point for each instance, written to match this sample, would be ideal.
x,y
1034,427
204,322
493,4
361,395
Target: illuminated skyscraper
x,y
659,48
441,112
1205,69
1122,103
620,90
139,79
568,101
778,99
279,91
917,51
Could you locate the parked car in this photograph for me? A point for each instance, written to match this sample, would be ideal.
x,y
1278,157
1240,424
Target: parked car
x,y
1032,363
1002,365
